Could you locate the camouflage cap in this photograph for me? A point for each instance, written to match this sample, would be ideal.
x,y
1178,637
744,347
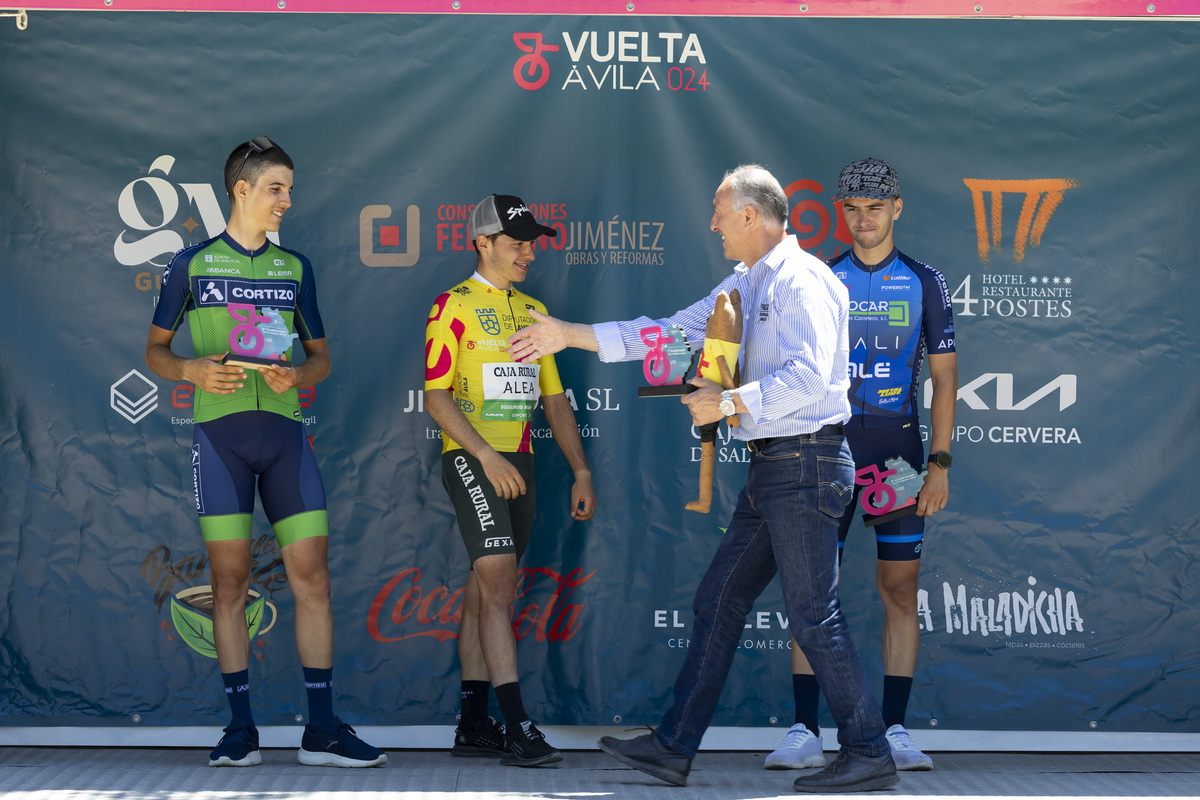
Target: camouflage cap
x,y
871,177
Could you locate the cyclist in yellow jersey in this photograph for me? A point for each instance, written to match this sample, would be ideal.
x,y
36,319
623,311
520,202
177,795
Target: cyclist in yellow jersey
x,y
484,401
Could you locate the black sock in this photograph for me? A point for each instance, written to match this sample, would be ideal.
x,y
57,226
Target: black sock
x,y
319,683
509,697
237,691
807,693
896,689
474,704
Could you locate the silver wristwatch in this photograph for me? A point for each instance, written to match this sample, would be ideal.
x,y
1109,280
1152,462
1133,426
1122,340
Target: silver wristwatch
x,y
727,408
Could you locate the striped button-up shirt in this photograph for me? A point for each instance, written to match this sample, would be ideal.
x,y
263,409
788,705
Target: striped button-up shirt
x,y
795,342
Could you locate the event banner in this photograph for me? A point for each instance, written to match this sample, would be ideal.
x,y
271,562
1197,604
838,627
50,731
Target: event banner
x,y
1047,170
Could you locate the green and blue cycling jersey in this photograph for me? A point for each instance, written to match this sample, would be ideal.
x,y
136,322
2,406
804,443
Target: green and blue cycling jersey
x,y
246,303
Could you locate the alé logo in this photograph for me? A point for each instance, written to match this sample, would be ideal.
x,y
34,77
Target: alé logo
x,y
162,217
621,60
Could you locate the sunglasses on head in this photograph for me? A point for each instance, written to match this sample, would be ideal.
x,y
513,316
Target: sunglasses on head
x,y
259,144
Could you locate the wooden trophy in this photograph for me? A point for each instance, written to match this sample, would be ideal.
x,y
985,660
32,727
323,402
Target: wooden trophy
x,y
722,342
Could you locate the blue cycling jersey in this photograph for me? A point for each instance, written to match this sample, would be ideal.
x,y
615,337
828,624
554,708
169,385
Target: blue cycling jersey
x,y
899,310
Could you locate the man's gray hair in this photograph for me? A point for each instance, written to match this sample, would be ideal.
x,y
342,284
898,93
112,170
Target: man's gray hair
x,y
752,185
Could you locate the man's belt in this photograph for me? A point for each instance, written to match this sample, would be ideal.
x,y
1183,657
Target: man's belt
x,y
756,445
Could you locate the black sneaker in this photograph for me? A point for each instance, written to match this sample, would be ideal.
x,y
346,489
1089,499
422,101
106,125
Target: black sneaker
x,y
237,748
337,746
487,742
527,747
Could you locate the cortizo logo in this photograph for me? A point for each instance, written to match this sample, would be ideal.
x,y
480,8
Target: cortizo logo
x,y
221,291
599,58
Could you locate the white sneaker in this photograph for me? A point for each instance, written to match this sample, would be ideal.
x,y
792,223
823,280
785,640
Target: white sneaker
x,y
906,754
800,749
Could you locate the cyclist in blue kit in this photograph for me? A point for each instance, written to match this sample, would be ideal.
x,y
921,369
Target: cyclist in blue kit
x,y
899,312
245,297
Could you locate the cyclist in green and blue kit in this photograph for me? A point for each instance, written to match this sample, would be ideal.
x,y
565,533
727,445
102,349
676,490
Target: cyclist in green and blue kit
x,y
246,299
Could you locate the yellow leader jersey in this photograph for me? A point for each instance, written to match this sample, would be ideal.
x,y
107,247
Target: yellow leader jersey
x,y
465,342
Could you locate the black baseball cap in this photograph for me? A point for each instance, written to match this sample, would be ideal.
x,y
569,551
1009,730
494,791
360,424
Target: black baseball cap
x,y
872,178
504,213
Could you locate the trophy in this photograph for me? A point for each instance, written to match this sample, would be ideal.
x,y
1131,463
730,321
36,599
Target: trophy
x,y
258,340
890,493
667,364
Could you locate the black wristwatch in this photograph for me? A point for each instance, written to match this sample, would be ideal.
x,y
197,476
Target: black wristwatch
x,y
941,458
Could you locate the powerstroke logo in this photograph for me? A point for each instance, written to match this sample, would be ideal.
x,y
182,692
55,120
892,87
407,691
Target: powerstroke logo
x,y
674,60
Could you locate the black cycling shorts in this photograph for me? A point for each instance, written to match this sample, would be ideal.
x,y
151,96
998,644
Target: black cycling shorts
x,y
489,524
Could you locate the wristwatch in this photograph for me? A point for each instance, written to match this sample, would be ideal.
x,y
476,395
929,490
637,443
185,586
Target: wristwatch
x,y
941,458
727,408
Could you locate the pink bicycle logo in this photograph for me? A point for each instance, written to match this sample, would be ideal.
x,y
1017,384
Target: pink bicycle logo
x,y
532,71
877,497
246,339
656,366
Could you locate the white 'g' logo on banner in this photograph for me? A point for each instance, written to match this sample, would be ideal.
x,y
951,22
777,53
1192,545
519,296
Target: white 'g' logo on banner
x,y
155,240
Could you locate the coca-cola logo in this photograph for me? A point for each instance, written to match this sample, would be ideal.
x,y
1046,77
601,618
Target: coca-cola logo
x,y
402,609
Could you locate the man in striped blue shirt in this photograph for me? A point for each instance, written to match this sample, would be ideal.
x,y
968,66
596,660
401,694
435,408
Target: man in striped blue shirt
x,y
900,311
792,403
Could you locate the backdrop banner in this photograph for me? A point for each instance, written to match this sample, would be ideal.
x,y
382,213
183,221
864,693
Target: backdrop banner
x,y
1047,168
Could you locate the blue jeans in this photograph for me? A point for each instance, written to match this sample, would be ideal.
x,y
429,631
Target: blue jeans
x,y
786,520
